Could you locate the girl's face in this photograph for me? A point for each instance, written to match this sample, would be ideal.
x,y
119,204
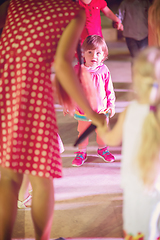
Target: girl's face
x,y
94,57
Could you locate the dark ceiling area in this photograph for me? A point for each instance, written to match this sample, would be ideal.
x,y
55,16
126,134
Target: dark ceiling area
x,y
113,1
113,4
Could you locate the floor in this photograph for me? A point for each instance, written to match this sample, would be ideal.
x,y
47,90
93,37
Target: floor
x,y
88,198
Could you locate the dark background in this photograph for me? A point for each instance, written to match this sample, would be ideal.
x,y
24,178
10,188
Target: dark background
x,y
113,4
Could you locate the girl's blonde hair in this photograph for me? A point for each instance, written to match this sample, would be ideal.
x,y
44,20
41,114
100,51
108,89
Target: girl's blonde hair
x,y
154,18
94,41
146,80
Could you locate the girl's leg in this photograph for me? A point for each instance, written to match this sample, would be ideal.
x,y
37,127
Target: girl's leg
x,y
132,45
81,156
103,149
100,143
42,206
10,183
61,146
82,125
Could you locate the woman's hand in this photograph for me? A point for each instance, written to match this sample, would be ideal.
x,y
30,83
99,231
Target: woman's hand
x,y
98,119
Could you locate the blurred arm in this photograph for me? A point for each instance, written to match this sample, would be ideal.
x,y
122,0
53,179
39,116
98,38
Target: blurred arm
x,y
65,71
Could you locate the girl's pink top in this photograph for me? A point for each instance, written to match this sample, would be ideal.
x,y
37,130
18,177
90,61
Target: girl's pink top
x,y
102,82
93,19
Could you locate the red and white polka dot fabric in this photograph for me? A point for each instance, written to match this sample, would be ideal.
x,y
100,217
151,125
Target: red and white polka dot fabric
x,y
28,128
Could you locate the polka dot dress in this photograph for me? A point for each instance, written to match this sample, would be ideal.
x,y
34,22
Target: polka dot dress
x,y
28,128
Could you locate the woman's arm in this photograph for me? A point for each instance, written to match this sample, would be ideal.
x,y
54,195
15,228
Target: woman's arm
x,y
113,137
64,70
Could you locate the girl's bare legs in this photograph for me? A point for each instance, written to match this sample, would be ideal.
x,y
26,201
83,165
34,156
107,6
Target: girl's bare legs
x,y
42,206
10,183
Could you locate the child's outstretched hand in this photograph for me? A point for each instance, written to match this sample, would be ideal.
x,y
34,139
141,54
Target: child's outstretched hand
x,y
112,111
109,110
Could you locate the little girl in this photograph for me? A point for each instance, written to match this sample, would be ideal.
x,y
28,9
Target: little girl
x,y
101,95
138,128
93,17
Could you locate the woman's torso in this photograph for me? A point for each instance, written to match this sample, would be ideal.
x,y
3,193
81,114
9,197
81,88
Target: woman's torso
x,y
29,140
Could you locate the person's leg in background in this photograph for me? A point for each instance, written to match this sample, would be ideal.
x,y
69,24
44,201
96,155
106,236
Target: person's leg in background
x,y
42,206
10,183
24,193
81,156
132,45
143,43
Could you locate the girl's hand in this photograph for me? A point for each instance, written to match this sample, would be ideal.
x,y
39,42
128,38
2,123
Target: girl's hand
x,y
118,25
112,111
109,110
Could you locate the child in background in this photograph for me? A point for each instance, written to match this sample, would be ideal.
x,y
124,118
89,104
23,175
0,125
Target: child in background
x,y
93,18
101,95
138,128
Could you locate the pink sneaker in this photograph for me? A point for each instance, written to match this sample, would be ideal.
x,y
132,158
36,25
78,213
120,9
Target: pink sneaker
x,y
80,158
105,154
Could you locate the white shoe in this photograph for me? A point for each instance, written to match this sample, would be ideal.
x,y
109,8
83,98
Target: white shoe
x,y
21,204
